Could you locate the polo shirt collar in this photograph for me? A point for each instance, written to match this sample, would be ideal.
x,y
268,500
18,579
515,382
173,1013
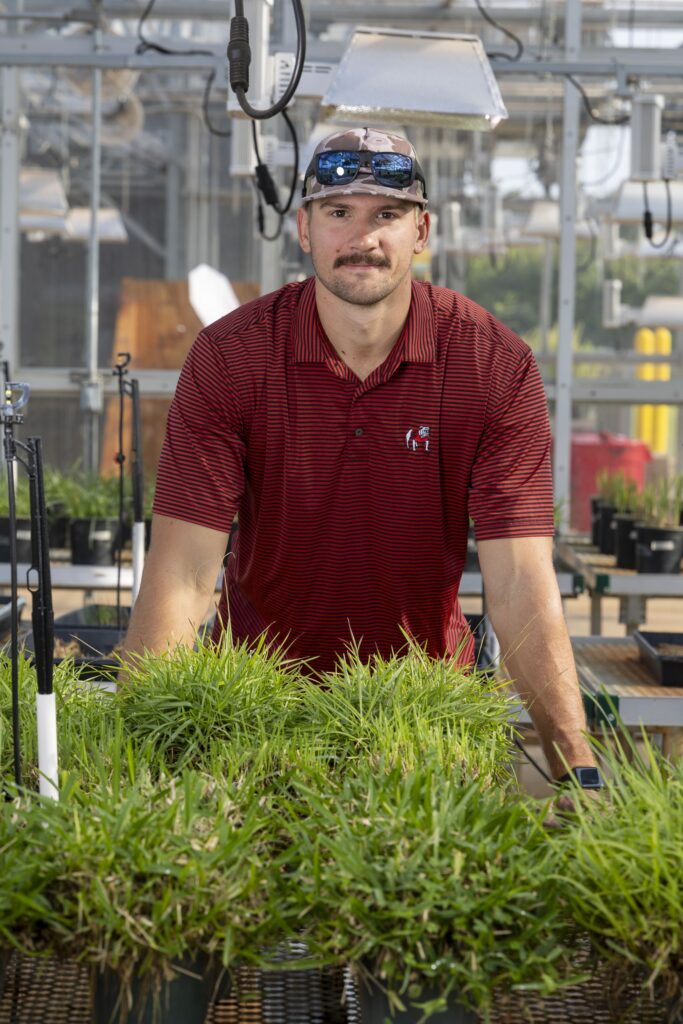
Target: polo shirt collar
x,y
418,338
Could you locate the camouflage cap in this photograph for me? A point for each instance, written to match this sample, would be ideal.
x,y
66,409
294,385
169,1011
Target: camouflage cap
x,y
371,140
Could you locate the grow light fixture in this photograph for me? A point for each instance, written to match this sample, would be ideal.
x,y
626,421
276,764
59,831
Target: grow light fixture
x,y
627,204
657,310
110,226
544,221
391,76
42,194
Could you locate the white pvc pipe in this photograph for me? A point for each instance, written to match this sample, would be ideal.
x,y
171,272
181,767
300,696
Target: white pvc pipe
x,y
48,766
138,558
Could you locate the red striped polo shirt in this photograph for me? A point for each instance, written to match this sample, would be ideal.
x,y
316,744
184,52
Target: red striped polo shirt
x,y
353,496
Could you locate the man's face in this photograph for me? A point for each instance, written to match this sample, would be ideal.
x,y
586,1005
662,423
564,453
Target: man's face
x,y
362,245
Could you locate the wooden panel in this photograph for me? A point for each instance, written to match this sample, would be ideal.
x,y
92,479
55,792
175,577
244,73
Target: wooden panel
x,y
156,325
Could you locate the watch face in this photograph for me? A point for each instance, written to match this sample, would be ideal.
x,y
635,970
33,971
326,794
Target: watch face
x,y
588,778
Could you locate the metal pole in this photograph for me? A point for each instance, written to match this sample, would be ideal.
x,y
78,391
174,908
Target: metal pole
x,y
567,267
174,268
9,207
546,292
91,393
678,350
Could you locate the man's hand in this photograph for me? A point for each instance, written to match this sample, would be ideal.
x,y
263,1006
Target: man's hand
x,y
563,806
524,605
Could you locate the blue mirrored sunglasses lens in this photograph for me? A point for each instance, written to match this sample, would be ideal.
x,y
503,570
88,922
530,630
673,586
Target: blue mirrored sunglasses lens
x,y
337,168
392,169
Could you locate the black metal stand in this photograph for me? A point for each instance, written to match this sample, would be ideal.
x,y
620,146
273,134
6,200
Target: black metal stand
x,y
38,582
130,388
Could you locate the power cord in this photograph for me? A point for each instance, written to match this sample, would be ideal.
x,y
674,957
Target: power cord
x,y
145,45
589,110
648,223
267,188
506,31
533,761
239,59
520,50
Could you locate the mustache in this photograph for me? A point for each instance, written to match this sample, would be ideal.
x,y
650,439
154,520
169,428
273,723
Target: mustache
x,y
373,261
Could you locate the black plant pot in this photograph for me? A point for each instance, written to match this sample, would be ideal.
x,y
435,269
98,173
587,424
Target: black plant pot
x,y
659,550
624,525
596,502
93,541
58,531
23,535
184,999
606,536
375,1007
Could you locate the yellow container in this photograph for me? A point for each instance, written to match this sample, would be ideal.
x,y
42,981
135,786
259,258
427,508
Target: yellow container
x,y
645,414
662,414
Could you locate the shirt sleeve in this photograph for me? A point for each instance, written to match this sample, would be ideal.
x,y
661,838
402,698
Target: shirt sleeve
x,y
511,491
201,466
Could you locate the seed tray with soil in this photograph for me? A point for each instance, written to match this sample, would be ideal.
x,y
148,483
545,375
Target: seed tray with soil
x,y
663,655
92,648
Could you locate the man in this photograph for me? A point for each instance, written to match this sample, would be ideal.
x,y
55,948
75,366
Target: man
x,y
355,420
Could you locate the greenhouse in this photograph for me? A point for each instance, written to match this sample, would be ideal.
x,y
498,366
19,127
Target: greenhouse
x,y
341,618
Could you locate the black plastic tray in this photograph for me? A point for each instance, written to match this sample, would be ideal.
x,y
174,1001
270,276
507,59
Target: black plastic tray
x,y
667,669
97,641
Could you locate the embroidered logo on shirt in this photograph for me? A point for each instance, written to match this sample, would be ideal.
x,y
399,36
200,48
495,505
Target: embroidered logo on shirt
x,y
417,439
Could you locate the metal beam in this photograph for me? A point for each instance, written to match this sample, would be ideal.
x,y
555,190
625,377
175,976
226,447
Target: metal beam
x,y
58,381
119,52
219,10
9,219
115,52
624,392
567,271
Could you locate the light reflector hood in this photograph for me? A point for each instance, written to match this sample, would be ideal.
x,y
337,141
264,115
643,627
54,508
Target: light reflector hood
x,y
388,76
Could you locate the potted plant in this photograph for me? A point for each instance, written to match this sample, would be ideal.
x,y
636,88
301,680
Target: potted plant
x,y
438,890
56,484
23,513
155,883
659,541
608,486
621,878
624,521
187,708
92,504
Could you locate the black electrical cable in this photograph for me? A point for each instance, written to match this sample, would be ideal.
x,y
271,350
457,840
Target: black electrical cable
x,y
533,761
267,188
648,224
144,45
589,110
239,59
506,31
205,109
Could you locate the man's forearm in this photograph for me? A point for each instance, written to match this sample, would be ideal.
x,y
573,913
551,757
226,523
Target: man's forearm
x,y
168,612
537,653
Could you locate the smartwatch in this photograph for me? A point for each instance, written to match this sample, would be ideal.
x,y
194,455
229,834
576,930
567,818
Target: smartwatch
x,y
587,778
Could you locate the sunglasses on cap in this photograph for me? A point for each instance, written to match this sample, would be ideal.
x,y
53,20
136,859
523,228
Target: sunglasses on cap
x,y
341,167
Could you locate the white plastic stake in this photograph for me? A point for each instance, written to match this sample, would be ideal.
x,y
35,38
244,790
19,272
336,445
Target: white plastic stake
x,y
138,558
48,767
